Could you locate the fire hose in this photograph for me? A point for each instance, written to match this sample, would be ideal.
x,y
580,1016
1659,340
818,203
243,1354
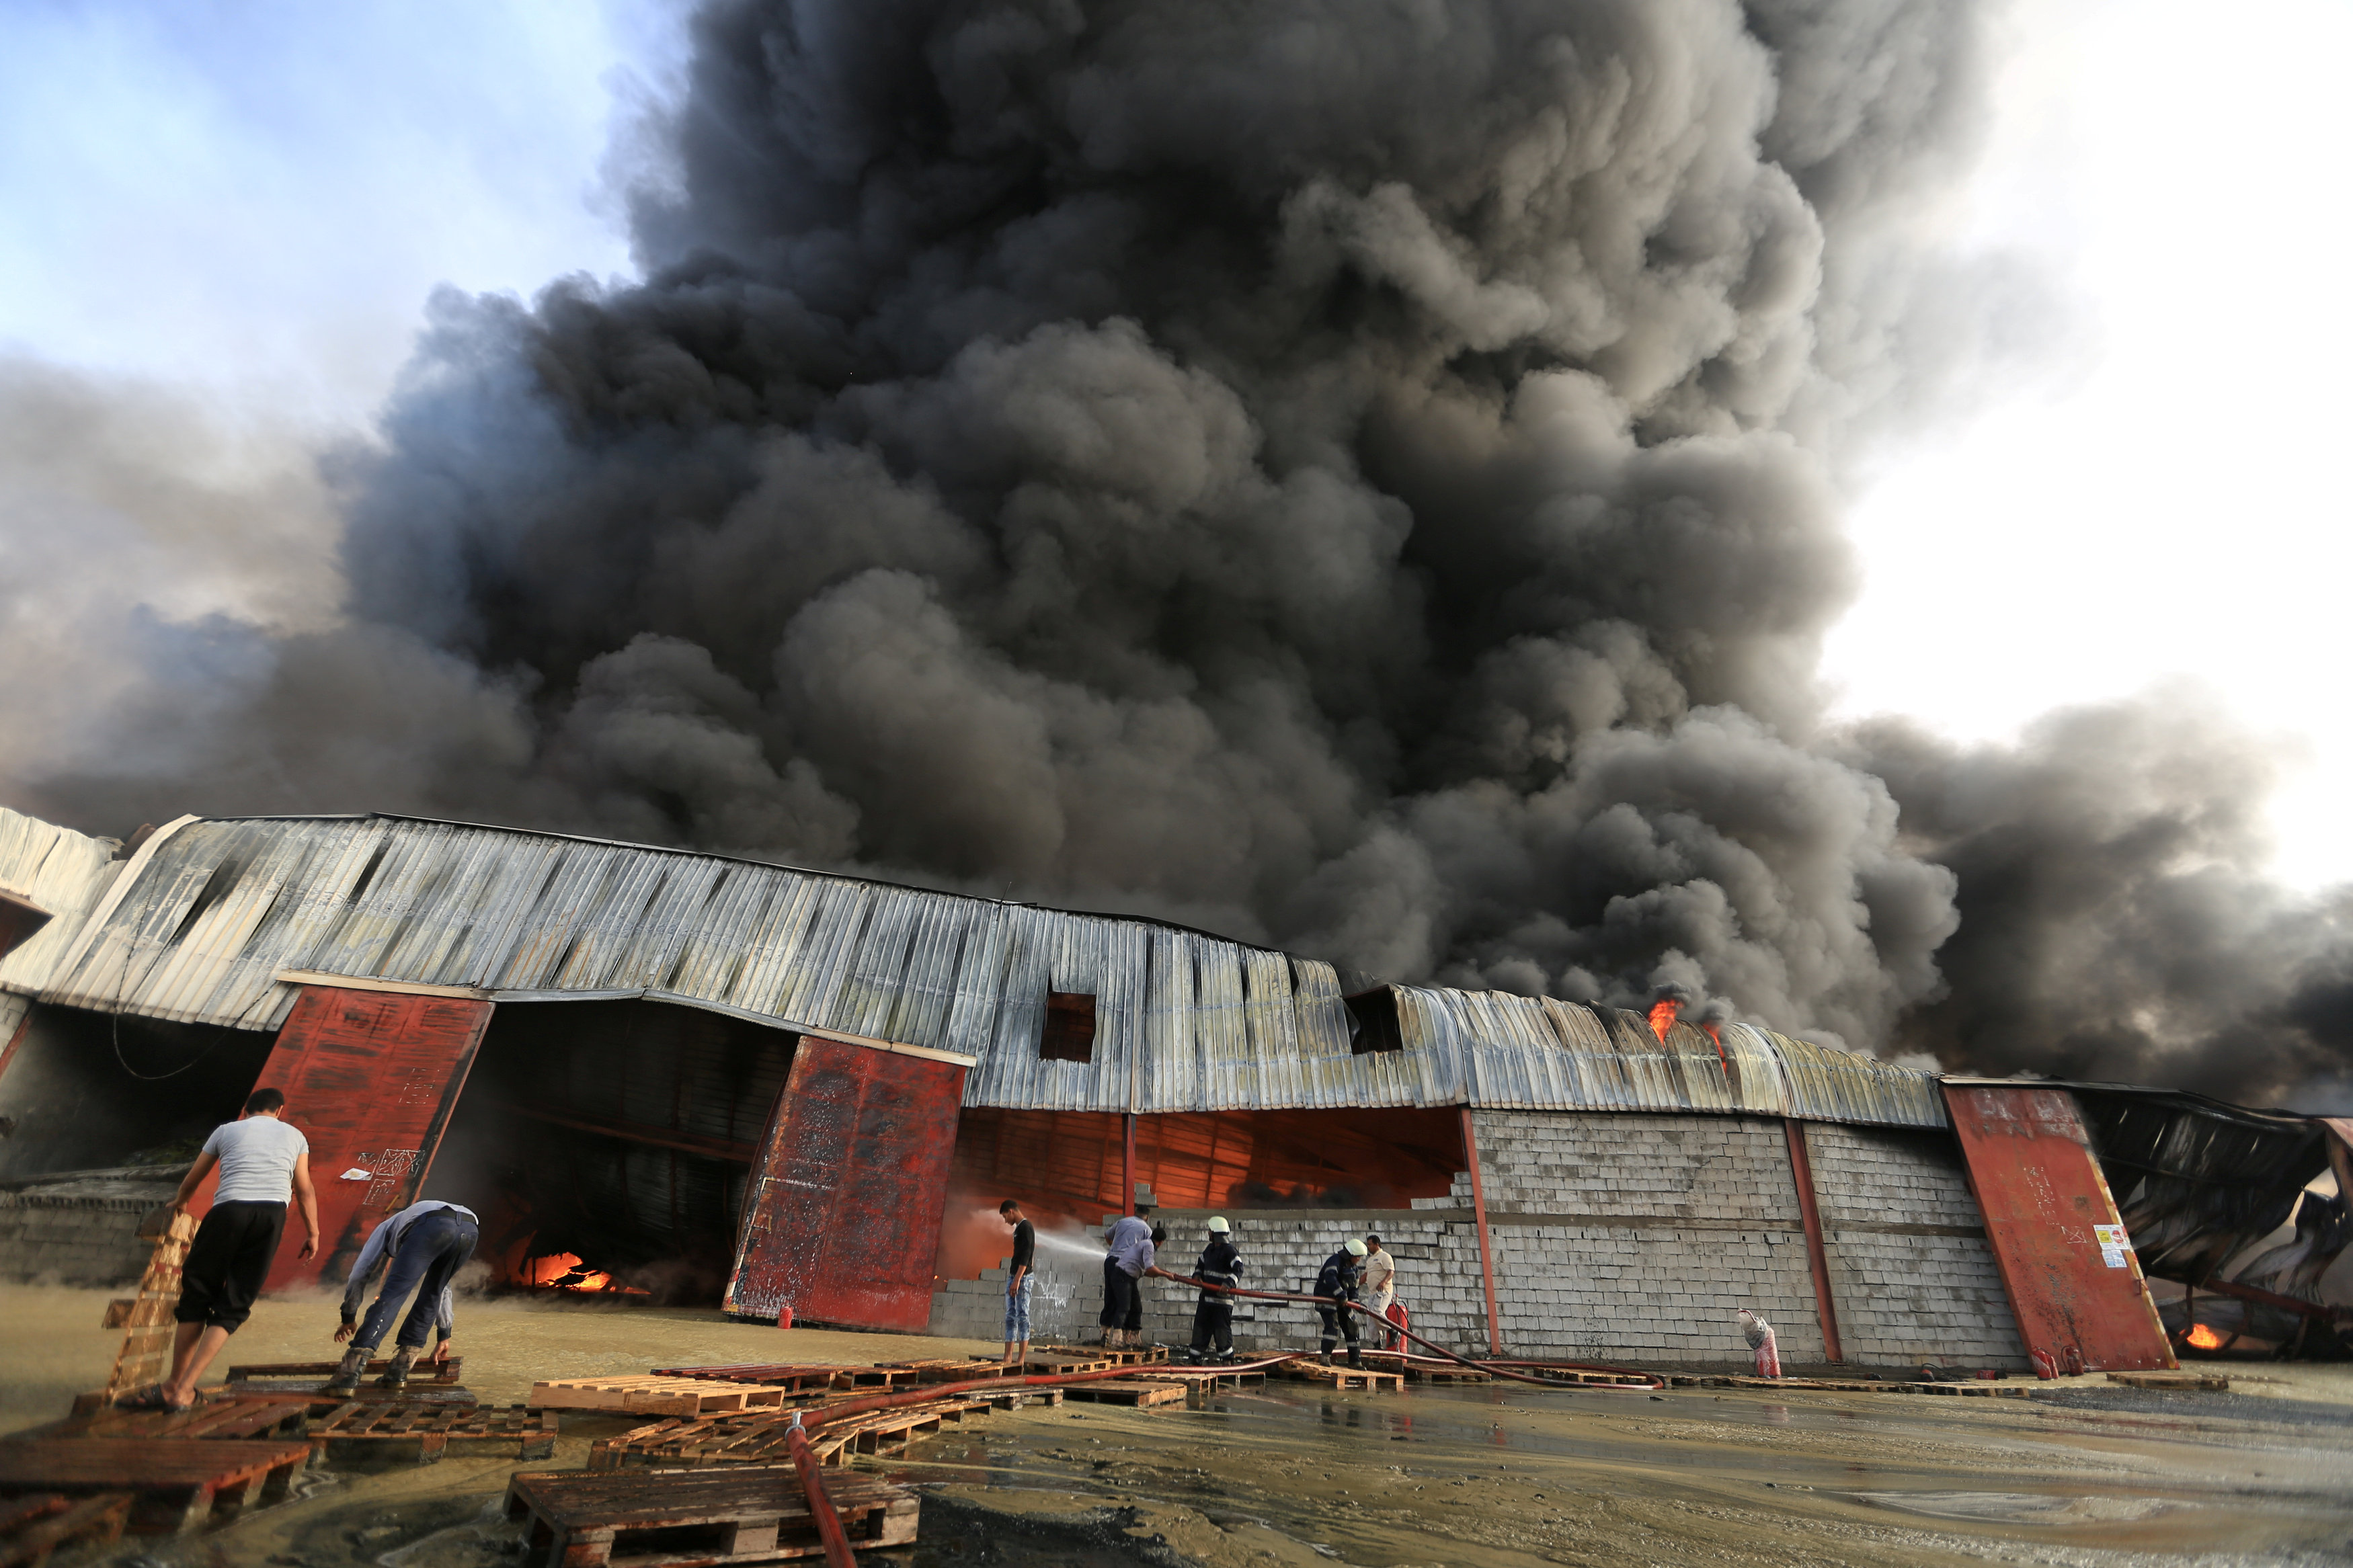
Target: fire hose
x,y
838,1551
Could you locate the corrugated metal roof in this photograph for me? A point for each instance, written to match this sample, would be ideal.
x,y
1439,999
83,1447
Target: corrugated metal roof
x,y
213,910
62,871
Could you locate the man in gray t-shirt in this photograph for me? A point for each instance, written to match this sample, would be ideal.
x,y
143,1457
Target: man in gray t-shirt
x,y
264,1163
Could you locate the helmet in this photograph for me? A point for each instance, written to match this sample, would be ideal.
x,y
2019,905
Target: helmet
x,y
1217,1225
1355,1247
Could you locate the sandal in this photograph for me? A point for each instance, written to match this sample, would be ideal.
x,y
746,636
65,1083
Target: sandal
x,y
148,1398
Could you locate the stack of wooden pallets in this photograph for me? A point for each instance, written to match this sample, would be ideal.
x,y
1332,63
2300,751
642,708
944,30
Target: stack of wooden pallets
x,y
654,1517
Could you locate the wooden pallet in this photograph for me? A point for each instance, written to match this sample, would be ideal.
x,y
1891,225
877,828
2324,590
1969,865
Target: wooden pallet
x,y
1101,1354
380,1432
33,1527
442,1372
444,1394
176,1486
1343,1377
792,1377
1202,1376
2197,1381
138,1312
1057,1363
222,1420
1986,1389
979,1369
147,1354
759,1438
651,1519
1135,1392
652,1395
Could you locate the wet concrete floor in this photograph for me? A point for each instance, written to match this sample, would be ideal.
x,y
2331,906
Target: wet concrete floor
x,y
1291,1474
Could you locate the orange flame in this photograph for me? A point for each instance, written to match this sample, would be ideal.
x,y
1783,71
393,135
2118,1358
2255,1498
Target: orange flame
x,y
1662,1017
2204,1338
564,1271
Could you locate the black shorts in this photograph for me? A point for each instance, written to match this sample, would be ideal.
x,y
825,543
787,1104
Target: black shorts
x,y
227,1263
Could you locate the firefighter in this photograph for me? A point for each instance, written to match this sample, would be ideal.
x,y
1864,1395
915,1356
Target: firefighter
x,y
1337,1284
1213,1316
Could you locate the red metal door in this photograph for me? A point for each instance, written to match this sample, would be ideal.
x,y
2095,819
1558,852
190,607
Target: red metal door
x,y
842,1222
2073,1280
370,1077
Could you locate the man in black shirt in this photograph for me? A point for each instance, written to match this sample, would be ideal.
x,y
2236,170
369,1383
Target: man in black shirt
x,y
1021,1281
1213,1316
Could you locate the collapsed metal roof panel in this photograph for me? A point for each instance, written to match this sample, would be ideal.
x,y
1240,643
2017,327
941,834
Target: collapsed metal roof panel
x,y
211,911
58,870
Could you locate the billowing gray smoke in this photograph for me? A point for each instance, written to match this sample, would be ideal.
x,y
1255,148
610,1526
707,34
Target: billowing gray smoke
x,y
1355,475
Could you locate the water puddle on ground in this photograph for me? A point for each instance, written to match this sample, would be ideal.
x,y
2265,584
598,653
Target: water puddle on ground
x,y
1475,1477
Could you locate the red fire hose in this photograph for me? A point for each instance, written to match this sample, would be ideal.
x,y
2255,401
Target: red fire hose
x,y
838,1553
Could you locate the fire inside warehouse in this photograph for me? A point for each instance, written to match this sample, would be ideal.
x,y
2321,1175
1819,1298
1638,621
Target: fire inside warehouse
x,y
678,1078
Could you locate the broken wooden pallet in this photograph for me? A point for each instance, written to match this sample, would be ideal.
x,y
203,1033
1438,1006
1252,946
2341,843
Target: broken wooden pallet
x,y
1135,1392
793,1377
652,1395
1343,1377
651,1519
445,1372
33,1527
2201,1382
760,1438
176,1486
381,1433
147,1354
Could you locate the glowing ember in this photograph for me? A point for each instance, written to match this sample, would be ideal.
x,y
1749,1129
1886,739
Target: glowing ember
x,y
1662,1017
564,1271
2204,1338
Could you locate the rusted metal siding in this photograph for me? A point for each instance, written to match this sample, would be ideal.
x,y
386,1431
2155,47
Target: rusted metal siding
x,y
214,912
842,1222
2044,1199
370,1077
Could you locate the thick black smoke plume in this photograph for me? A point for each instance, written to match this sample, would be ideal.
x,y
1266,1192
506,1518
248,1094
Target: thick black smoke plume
x,y
1359,475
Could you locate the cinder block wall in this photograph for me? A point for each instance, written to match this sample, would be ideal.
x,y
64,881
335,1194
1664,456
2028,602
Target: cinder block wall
x,y
1911,1270
1617,1236
1640,1238
1437,1273
61,1238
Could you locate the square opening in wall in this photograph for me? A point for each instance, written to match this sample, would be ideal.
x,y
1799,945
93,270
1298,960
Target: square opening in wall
x,y
1372,1022
1069,1034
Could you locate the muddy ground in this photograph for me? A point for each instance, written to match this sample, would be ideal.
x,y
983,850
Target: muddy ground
x,y
2082,1474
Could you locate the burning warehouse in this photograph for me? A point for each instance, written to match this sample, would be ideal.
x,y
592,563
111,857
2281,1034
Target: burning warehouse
x,y
706,1079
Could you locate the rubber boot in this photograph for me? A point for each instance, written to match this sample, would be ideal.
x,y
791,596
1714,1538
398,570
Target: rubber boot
x,y
348,1372
1355,1358
1326,1357
396,1377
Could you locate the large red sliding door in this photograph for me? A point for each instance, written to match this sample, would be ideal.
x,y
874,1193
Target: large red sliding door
x,y
370,1077
2074,1283
842,1220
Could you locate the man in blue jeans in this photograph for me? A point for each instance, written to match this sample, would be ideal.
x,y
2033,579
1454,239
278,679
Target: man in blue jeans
x,y
420,1249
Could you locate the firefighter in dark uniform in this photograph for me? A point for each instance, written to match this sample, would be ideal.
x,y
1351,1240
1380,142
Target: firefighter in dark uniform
x,y
1213,1316
1343,1272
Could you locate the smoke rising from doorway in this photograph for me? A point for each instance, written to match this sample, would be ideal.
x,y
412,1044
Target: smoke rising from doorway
x,y
1357,478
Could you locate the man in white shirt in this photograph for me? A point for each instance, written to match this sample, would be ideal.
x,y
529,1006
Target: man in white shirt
x,y
1380,1286
420,1249
264,1162
1130,1249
